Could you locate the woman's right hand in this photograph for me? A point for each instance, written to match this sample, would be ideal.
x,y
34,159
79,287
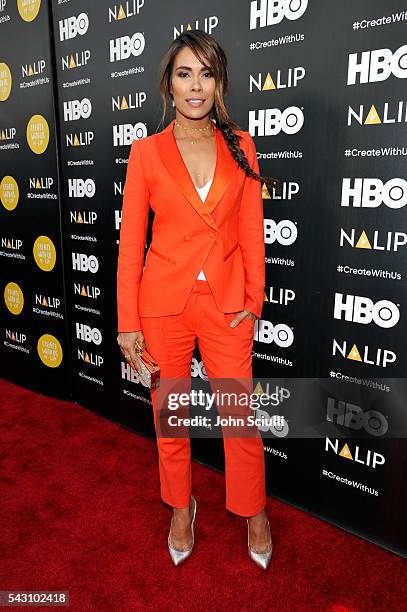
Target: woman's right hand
x,y
127,343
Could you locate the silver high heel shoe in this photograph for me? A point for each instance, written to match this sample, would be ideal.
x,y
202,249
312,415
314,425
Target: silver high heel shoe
x,y
178,556
262,559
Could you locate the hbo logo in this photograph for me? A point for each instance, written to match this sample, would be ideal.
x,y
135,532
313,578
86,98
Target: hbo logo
x,y
353,417
77,109
124,47
81,188
85,263
284,232
362,310
272,121
377,65
270,12
198,369
372,192
280,334
88,334
126,133
72,26
278,431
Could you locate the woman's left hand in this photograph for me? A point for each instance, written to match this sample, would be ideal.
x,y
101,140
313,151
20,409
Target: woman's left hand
x,y
241,315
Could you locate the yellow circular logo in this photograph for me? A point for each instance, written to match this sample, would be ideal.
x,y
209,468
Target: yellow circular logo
x,y
9,192
5,81
44,253
49,350
28,9
13,298
37,134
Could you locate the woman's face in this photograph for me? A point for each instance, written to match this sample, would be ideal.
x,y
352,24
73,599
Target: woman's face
x,y
192,85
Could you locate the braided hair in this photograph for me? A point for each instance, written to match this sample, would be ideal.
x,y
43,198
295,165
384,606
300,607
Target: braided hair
x,y
210,53
232,141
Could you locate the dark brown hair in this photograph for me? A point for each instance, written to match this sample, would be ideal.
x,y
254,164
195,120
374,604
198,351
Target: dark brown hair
x,y
211,54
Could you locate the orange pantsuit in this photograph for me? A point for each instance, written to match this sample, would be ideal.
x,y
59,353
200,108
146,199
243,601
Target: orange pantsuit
x,y
224,237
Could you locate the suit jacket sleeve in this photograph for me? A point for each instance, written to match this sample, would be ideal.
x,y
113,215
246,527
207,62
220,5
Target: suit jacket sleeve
x,y
133,231
251,236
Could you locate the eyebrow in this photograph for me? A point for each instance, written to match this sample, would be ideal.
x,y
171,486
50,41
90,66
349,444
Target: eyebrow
x,y
189,67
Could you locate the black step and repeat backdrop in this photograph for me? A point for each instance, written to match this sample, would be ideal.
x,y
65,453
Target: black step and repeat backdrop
x,y
321,88
34,338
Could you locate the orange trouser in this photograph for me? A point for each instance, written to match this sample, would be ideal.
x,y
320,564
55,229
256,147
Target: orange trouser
x,y
226,353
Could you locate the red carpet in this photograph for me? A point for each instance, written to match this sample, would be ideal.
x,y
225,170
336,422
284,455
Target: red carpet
x,y
81,512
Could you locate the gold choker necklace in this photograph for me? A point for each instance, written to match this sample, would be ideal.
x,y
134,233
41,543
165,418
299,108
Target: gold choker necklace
x,y
184,127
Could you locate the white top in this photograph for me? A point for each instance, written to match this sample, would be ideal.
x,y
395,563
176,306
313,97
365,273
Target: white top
x,y
203,192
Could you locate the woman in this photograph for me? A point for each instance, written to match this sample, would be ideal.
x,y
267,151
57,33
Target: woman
x,y
204,273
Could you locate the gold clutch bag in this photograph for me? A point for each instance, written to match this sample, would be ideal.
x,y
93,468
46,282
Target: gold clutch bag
x,y
149,370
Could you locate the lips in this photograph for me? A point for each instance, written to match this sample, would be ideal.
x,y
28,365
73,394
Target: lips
x,y
195,101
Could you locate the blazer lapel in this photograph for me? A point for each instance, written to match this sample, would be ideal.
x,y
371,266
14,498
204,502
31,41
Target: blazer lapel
x,y
224,172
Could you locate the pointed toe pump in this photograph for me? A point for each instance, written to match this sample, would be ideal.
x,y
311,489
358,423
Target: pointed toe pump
x,y
178,556
261,559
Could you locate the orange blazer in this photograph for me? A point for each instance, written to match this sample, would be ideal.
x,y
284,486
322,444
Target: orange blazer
x,y
223,236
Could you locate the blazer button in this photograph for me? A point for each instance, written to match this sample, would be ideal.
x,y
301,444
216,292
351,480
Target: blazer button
x,y
211,234
187,237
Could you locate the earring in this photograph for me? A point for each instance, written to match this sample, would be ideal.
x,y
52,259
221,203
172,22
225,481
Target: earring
x,y
173,103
